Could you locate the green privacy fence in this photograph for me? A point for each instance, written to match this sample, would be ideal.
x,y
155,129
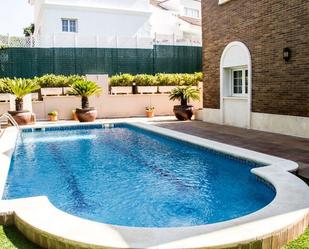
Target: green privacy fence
x,y
30,62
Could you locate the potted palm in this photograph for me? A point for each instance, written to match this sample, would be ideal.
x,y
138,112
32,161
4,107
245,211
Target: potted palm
x,y
184,94
20,88
85,89
53,116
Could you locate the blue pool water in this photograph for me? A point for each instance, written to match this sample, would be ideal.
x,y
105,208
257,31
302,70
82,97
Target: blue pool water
x,y
127,176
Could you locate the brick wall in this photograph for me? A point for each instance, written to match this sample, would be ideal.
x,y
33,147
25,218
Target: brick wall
x,y
266,27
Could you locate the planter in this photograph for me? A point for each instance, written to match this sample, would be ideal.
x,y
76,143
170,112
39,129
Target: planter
x,y
35,96
51,91
86,115
150,114
53,118
183,112
65,90
147,89
121,90
74,116
21,117
5,97
166,89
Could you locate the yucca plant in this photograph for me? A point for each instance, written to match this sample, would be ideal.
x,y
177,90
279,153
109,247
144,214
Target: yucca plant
x,y
85,89
20,88
184,94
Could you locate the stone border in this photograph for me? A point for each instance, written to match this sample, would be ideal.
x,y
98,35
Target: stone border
x,y
270,227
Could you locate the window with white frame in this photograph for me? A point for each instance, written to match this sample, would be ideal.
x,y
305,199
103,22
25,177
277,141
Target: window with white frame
x,y
69,25
192,12
239,82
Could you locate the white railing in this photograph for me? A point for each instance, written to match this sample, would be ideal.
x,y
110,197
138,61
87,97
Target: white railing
x,y
10,118
96,41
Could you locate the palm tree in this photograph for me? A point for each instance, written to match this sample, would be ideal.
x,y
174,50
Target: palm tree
x,y
20,88
85,89
184,94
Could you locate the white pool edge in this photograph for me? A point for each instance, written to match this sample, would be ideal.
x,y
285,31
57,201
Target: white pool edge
x,y
290,206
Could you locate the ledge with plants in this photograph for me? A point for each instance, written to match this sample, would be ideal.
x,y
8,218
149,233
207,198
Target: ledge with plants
x,y
159,83
51,84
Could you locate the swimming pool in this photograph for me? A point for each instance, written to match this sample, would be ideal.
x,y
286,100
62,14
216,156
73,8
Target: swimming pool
x,y
72,224
131,177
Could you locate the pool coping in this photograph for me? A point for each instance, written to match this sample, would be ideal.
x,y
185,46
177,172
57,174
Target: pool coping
x,y
36,215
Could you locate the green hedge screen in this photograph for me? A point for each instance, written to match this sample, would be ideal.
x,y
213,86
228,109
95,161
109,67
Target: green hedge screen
x,y
30,62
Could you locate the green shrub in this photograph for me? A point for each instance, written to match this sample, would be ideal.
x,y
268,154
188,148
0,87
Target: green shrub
x,y
121,80
51,80
53,113
188,80
85,89
184,94
145,80
177,79
4,85
198,76
163,79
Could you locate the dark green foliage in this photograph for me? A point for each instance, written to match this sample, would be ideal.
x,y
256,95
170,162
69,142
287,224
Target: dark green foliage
x,y
31,62
29,30
51,80
84,89
122,80
184,94
160,79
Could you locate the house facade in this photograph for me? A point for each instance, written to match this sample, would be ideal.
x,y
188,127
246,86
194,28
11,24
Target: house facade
x,y
256,64
179,17
91,23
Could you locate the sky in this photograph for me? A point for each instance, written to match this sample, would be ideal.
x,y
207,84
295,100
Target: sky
x,y
14,16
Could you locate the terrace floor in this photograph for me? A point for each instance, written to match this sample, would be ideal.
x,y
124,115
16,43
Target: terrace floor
x,y
289,147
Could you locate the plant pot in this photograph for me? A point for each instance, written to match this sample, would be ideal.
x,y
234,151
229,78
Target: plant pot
x,y
183,112
86,115
74,116
21,117
53,118
150,114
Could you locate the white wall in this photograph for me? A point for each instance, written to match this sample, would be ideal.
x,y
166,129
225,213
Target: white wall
x,y
190,4
164,22
99,22
289,125
167,22
108,106
108,18
138,5
235,111
283,124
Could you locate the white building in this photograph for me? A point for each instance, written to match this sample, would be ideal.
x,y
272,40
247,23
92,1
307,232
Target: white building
x,y
114,23
179,17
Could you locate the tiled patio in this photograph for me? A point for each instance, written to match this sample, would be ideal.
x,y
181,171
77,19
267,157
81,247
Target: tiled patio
x,y
289,147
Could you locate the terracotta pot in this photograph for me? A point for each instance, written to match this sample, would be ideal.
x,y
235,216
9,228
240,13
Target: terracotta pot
x,y
183,112
86,115
150,114
21,117
74,116
53,118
